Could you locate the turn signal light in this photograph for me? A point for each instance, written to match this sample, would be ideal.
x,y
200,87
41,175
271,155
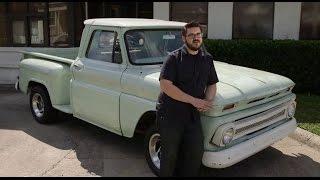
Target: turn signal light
x,y
229,106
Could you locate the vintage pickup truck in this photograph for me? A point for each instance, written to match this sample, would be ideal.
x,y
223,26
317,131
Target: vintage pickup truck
x,y
111,81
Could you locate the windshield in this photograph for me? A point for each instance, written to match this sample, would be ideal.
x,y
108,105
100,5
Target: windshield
x,y
152,46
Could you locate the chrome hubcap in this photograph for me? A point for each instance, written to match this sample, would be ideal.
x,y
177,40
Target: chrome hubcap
x,y
155,149
37,105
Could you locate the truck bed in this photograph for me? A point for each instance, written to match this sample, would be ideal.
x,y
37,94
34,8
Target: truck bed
x,y
51,68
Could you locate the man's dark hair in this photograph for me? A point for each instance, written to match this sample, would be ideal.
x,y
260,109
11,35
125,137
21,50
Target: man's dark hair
x,y
190,25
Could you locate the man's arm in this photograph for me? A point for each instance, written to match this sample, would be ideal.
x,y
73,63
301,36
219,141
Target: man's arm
x,y
211,89
211,92
174,92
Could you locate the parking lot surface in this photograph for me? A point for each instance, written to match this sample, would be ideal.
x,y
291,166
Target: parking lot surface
x,y
73,147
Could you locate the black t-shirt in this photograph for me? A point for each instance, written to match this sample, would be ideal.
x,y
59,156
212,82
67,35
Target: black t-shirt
x,y
190,73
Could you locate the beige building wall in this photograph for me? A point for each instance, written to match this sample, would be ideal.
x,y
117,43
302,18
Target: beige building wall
x,y
220,20
161,10
286,20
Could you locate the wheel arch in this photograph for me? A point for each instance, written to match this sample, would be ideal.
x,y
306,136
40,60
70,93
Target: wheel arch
x,y
146,120
35,83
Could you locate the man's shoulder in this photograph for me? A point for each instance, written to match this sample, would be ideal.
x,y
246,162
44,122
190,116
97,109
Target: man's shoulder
x,y
207,55
176,53
173,57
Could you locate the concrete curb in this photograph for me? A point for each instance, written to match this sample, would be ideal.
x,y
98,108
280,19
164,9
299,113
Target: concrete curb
x,y
306,137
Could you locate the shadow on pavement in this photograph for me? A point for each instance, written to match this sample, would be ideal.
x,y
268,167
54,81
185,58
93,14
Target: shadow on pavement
x,y
268,163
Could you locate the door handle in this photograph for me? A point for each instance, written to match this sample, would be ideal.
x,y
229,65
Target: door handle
x,y
77,67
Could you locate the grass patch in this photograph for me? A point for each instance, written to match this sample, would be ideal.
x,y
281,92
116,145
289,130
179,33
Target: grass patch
x,y
308,112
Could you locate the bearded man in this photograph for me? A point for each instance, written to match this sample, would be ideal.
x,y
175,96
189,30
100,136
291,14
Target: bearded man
x,y
188,86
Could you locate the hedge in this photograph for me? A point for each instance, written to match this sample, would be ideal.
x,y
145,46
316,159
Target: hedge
x,y
297,60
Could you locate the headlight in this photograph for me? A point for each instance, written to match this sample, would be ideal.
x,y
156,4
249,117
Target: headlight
x,y
291,109
224,134
227,136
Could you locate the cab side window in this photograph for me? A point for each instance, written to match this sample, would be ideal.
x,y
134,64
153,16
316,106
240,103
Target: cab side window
x,y
102,46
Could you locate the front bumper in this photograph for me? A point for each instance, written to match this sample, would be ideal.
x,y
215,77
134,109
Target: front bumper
x,y
237,153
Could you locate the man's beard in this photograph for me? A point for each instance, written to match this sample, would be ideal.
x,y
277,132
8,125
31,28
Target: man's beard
x,y
192,47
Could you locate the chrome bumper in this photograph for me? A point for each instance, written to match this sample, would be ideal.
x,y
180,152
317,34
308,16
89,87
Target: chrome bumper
x,y
237,153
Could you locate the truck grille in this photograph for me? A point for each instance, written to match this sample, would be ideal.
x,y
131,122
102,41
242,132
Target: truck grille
x,y
238,131
258,121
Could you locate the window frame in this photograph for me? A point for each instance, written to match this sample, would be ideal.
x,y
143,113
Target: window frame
x,y
233,20
70,26
206,24
28,16
41,14
26,32
170,12
45,31
7,20
115,33
139,4
144,29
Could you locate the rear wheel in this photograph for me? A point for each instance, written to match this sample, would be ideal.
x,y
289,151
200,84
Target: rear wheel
x,y
40,105
153,149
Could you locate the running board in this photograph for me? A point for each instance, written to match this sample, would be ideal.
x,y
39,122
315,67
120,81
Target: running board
x,y
64,108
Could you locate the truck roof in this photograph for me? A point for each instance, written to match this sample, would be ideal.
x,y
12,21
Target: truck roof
x,y
133,22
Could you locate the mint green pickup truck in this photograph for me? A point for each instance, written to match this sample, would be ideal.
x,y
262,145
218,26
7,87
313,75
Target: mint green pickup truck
x,y
111,81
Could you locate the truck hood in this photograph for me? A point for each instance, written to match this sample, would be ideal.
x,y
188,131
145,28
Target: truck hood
x,y
237,84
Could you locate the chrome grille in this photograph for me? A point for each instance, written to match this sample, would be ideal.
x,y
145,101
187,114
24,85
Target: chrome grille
x,y
254,123
260,122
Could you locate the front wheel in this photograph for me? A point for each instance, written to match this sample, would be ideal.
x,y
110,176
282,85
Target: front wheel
x,y
153,149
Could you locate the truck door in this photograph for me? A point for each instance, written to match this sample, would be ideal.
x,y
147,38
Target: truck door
x,y
95,86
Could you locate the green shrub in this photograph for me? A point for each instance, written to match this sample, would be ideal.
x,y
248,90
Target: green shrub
x,y
297,60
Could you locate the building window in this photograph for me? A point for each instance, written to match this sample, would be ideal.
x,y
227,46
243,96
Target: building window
x,y
37,31
253,20
18,7
124,10
3,8
79,9
120,9
3,24
52,19
37,7
25,24
310,21
145,10
41,23
190,11
3,32
58,20
18,32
